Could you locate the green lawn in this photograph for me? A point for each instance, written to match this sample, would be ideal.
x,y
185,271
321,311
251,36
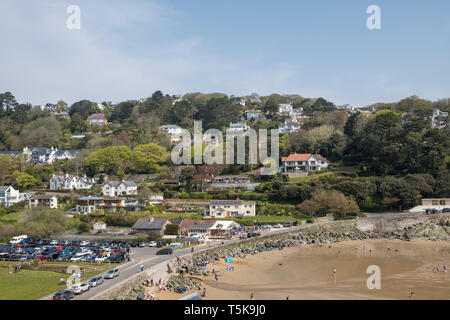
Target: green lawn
x,y
35,284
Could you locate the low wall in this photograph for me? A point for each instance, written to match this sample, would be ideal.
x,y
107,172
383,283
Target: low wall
x,y
391,224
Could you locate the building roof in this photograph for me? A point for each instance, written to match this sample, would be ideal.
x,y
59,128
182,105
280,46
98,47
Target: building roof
x,y
4,188
150,224
297,157
116,183
224,225
220,202
97,116
321,158
200,224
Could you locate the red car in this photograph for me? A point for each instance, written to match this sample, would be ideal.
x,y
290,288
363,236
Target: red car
x,y
41,258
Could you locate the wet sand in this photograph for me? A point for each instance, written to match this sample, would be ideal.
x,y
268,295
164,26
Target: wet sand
x,y
306,272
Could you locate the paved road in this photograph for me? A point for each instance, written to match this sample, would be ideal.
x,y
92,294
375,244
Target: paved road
x,y
147,257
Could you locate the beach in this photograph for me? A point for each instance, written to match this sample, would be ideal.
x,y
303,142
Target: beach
x,y
306,272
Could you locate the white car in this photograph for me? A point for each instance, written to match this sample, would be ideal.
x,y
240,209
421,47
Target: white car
x,y
278,225
101,258
152,244
79,288
54,242
84,243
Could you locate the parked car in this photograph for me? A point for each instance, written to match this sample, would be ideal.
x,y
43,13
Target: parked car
x,y
445,210
79,288
279,225
111,274
63,295
142,244
431,211
165,251
101,258
95,281
152,244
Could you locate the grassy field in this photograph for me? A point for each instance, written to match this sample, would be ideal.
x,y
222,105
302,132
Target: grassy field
x,y
10,218
311,177
35,284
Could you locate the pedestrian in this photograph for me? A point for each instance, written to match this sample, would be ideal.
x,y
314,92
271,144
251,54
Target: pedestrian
x,y
251,296
15,268
20,267
142,267
412,293
204,292
151,282
159,281
216,277
334,272
287,298
445,267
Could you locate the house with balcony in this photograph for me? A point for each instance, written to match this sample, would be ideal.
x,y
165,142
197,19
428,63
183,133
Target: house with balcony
x,y
303,162
238,127
9,196
86,205
43,201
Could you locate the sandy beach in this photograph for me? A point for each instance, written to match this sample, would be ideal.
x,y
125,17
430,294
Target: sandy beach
x,y
306,272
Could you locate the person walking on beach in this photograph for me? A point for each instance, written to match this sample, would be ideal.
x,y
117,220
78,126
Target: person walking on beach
x,y
142,267
204,292
444,267
216,277
251,296
412,293
334,272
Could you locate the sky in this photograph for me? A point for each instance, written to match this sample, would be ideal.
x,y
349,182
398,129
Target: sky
x,y
129,49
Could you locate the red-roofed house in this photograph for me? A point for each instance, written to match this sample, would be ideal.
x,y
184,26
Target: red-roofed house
x,y
97,119
303,162
202,227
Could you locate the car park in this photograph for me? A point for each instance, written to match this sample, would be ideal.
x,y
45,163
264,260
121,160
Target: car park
x,y
111,274
95,281
63,295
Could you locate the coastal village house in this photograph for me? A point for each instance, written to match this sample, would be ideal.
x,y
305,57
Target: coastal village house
x,y
68,182
97,119
288,127
230,208
86,205
303,162
231,182
238,127
9,196
39,155
119,188
174,131
285,108
43,201
149,225
202,227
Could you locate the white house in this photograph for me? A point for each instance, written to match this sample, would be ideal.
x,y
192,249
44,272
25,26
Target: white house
x,y
285,108
68,182
43,201
238,127
304,162
173,130
230,208
9,196
288,127
99,226
156,198
119,188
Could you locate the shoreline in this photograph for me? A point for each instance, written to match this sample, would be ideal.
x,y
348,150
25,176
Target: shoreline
x,y
305,272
